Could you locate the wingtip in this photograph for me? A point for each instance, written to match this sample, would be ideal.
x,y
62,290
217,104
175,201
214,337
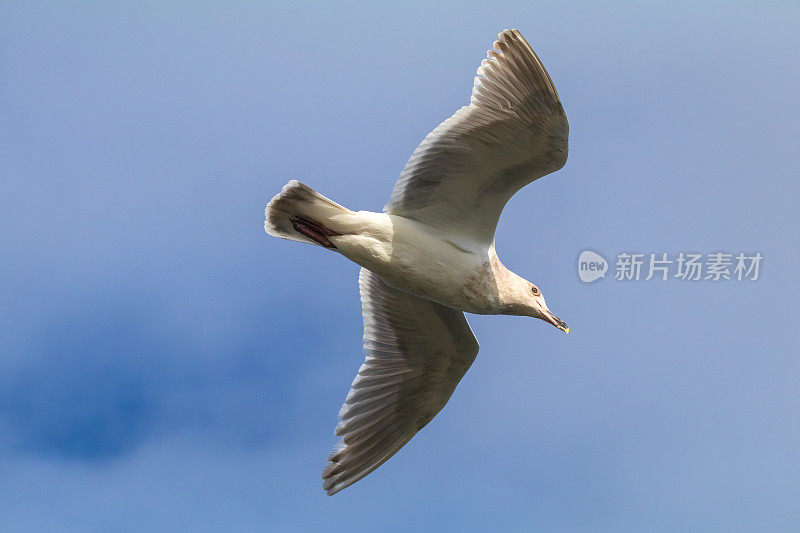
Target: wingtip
x,y
509,33
330,481
511,38
333,490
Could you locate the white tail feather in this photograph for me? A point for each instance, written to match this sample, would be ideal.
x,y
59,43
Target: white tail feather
x,y
298,200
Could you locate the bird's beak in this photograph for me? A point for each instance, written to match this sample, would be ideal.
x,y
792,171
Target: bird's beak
x,y
557,322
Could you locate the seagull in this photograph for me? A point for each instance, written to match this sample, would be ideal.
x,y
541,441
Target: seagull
x,y
430,256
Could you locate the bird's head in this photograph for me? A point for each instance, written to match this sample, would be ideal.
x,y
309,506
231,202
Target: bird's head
x,y
529,301
538,309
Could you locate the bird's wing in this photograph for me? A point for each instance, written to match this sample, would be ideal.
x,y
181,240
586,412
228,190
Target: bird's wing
x,y
513,131
416,353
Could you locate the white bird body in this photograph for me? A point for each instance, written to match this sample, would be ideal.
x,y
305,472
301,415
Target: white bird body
x,y
431,256
411,257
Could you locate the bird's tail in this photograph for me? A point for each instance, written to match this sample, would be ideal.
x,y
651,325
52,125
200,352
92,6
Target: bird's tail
x,y
299,213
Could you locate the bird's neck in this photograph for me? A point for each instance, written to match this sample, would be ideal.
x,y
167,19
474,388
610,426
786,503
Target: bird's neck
x,y
512,289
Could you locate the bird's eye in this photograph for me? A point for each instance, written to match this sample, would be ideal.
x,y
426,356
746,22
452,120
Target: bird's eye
x,y
534,290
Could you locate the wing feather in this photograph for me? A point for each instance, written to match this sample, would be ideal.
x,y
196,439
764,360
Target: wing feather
x,y
514,131
416,353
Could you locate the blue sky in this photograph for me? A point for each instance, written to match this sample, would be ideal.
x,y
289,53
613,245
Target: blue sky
x,y
165,365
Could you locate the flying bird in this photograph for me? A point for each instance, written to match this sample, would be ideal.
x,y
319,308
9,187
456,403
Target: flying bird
x,y
430,255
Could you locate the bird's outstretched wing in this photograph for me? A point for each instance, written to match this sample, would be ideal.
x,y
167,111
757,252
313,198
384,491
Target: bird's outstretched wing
x,y
513,131
416,353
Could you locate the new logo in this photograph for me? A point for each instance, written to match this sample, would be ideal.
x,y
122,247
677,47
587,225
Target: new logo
x,y
591,266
